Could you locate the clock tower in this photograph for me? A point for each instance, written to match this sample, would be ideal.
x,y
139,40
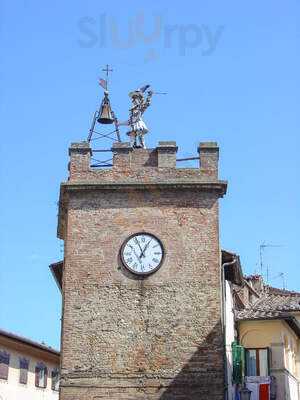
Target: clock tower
x,y
141,276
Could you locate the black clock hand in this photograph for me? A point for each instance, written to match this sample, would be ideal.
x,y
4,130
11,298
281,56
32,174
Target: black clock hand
x,y
145,248
138,243
132,248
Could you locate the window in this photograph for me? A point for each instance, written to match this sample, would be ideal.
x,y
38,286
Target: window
x,y
4,364
55,380
41,375
257,362
24,363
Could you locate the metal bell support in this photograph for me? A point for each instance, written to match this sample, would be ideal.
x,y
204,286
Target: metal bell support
x,y
105,115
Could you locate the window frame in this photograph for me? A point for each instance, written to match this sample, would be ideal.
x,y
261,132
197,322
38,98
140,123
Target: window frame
x,y
4,364
23,367
55,372
41,367
257,360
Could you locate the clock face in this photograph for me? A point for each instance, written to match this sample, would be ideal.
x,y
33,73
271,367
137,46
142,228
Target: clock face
x,y
142,253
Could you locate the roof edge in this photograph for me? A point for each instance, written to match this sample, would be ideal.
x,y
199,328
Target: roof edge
x,y
29,342
56,270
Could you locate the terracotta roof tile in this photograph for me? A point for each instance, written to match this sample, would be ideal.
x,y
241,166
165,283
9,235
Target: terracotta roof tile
x,y
272,303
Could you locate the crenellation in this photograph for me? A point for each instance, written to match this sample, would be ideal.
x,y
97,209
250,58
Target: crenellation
x,y
80,158
167,154
209,157
151,165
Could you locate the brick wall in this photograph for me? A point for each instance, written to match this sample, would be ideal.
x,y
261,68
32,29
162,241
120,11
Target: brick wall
x,y
125,337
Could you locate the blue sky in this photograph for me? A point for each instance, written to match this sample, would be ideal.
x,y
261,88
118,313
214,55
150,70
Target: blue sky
x,y
231,70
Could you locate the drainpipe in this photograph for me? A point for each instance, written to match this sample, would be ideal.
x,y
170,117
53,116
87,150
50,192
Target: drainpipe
x,y
223,286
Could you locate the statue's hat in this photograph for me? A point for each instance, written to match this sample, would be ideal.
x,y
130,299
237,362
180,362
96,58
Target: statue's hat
x,y
139,92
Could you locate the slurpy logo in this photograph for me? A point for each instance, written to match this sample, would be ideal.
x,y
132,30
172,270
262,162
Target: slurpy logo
x,y
105,31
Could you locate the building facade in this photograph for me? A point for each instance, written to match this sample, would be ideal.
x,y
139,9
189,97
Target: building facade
x,y
262,326
129,335
28,370
231,276
268,322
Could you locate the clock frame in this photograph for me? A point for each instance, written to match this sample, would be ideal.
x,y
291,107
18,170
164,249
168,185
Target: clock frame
x,y
142,273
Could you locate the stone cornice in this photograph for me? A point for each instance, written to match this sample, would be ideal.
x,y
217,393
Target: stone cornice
x,y
218,186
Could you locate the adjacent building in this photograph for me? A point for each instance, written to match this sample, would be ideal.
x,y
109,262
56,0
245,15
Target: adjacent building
x,y
262,336
28,370
268,322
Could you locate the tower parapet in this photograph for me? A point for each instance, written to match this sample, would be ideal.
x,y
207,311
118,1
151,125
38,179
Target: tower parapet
x,y
158,160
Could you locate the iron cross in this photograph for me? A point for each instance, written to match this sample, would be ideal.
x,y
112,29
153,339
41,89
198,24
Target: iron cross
x,y
107,70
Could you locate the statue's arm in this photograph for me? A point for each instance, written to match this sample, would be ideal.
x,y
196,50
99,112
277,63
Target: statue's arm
x,y
123,123
147,101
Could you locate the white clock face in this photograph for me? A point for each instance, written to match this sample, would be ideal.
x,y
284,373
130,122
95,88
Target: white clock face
x,y
142,253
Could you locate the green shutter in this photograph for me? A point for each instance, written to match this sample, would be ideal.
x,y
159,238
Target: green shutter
x,y
238,362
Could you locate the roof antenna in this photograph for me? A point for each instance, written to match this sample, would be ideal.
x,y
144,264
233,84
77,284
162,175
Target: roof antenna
x,y
281,275
283,280
262,248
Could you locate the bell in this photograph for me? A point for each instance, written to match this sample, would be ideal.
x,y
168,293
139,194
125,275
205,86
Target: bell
x,y
105,115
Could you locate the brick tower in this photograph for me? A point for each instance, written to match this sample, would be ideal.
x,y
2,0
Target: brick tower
x,y
151,335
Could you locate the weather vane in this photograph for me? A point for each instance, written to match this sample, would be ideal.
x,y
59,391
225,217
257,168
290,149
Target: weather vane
x,y
105,82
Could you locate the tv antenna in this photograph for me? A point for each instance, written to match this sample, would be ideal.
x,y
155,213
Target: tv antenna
x,y
282,276
103,116
262,248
